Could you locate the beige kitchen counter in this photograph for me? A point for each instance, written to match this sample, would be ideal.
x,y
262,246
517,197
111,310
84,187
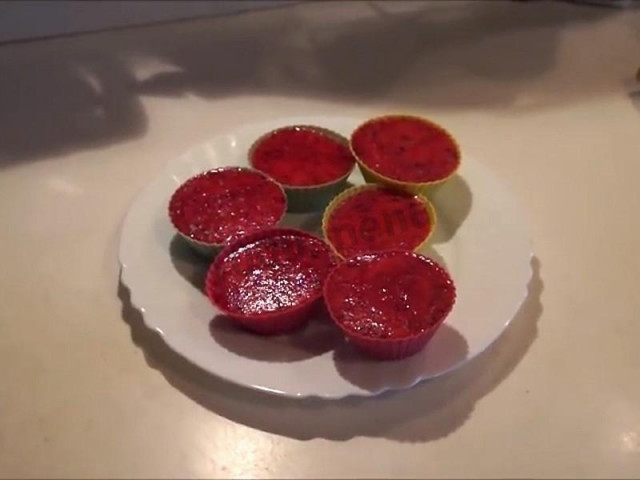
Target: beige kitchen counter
x,y
541,93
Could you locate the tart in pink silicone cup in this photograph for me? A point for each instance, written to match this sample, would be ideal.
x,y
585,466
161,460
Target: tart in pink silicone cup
x,y
369,218
389,304
406,152
270,281
311,163
214,207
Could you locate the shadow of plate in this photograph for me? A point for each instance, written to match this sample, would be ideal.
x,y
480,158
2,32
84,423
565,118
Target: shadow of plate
x,y
318,337
374,376
426,412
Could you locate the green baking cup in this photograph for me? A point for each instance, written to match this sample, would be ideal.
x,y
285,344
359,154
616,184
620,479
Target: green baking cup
x,y
308,198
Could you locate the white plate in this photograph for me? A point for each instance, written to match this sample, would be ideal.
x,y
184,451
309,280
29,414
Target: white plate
x,y
481,238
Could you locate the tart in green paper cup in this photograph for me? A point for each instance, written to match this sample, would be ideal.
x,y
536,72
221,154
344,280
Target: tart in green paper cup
x,y
311,163
406,152
212,208
370,218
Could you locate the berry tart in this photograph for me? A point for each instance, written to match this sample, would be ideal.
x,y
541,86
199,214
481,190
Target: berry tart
x,y
270,281
212,208
311,163
407,152
389,304
371,218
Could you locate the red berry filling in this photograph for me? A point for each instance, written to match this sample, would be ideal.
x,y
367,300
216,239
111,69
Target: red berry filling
x,y
302,157
272,274
218,205
378,219
389,294
406,149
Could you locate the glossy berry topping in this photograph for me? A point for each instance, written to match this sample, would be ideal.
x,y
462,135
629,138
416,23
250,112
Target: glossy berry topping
x,y
376,219
219,205
406,149
389,294
302,157
272,274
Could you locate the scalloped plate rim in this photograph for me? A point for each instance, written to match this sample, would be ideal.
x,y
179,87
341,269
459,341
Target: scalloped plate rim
x,y
139,305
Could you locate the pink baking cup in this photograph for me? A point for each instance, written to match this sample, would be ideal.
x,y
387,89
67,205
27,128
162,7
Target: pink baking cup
x,y
270,281
389,304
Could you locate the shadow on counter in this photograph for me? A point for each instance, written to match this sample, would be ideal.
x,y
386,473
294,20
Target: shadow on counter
x,y
65,95
431,410
438,55
53,103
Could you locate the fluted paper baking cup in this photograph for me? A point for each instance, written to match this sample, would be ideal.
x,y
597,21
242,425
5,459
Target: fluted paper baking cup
x,y
211,249
312,198
391,348
269,323
350,192
424,188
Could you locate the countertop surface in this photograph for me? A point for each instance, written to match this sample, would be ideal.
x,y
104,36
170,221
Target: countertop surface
x,y
542,93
